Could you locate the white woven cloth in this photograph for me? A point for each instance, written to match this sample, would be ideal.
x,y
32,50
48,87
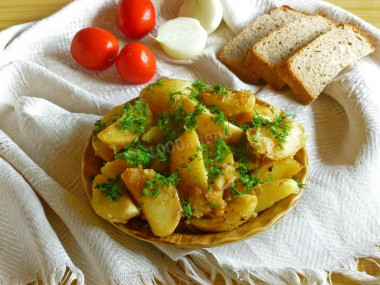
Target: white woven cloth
x,y
48,105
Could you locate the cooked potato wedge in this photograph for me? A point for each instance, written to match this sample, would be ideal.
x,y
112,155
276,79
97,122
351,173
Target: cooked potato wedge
x,y
233,104
264,112
153,136
157,94
209,132
265,145
187,103
103,151
118,211
115,167
163,212
116,138
271,192
225,180
237,212
187,158
211,201
274,170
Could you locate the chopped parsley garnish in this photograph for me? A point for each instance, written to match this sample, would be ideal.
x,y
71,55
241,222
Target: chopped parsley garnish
x,y
246,176
249,181
213,157
215,89
99,126
162,153
213,204
153,188
219,119
112,189
235,192
174,124
158,82
190,121
241,155
278,128
194,95
172,95
135,117
136,154
150,189
299,183
187,210
91,177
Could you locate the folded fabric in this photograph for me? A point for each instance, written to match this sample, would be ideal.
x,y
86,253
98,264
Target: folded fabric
x,y
48,105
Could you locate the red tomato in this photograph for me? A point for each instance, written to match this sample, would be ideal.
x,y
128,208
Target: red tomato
x,y
135,18
94,48
136,63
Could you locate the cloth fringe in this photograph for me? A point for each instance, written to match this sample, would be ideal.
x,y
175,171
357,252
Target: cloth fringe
x,y
62,275
198,263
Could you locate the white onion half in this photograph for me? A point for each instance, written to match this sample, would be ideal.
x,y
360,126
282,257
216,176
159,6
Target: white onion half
x,y
182,38
208,12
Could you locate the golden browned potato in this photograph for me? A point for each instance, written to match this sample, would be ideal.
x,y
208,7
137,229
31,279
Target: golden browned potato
x,y
115,137
103,151
153,136
274,170
209,132
118,211
187,158
264,112
266,145
271,192
163,210
211,201
115,167
232,104
237,212
188,104
157,94
229,175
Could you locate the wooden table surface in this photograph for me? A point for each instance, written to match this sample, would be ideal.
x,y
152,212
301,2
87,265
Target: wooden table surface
x,y
13,12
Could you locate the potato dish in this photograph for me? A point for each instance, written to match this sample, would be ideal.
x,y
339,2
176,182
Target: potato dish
x,y
193,156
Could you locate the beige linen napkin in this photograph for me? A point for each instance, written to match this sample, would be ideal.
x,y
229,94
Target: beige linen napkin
x,y
48,105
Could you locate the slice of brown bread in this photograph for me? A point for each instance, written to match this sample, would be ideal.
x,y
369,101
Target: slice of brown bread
x,y
268,52
234,53
309,70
